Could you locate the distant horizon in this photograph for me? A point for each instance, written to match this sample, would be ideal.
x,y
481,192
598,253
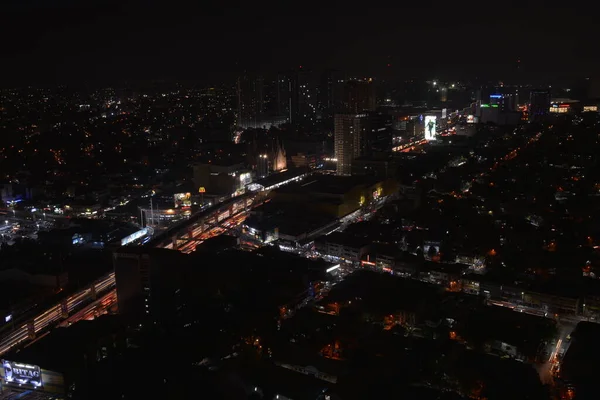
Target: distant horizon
x,y
84,84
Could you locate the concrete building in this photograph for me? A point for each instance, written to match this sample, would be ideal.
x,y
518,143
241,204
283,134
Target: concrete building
x,y
342,246
221,178
350,132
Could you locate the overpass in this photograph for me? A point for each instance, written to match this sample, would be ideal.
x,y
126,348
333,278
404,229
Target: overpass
x,y
200,222
25,331
101,295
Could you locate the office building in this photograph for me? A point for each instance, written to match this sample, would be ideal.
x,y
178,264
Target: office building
x,y
250,100
350,134
297,97
285,99
331,92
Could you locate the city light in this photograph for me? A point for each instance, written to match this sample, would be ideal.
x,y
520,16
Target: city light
x,y
332,268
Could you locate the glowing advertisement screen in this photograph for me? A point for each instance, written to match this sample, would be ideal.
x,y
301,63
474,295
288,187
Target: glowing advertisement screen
x,y
134,236
22,374
430,127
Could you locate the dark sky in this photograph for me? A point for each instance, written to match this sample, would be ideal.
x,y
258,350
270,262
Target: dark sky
x,y
55,41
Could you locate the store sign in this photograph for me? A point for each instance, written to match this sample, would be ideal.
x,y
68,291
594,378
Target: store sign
x,y
22,374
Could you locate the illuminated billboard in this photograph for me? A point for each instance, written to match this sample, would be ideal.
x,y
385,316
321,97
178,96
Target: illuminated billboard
x,y
245,178
590,108
134,236
22,374
430,127
470,119
182,199
559,108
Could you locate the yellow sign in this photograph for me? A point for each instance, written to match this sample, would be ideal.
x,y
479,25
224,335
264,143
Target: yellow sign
x,y
202,190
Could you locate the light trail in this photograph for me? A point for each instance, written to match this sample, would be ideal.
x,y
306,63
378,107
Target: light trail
x,y
408,146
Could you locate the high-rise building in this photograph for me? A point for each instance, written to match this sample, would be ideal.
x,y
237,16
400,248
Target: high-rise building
x,y
307,98
539,104
331,90
250,99
350,131
147,281
511,100
287,95
359,96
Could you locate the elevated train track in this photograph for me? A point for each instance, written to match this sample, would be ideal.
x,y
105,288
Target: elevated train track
x,y
100,296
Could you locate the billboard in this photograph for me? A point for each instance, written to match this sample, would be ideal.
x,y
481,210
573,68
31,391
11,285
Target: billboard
x,y
430,127
134,236
22,374
444,113
470,119
182,199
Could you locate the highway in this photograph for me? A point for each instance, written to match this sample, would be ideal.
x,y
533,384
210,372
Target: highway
x,y
93,310
101,296
226,225
407,147
53,315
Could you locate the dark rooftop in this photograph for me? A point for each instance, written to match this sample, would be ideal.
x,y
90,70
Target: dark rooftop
x,y
281,177
329,184
345,239
293,220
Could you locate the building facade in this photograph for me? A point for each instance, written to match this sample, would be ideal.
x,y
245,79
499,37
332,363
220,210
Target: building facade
x,y
349,132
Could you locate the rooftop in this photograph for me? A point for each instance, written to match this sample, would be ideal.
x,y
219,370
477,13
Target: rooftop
x,y
329,184
281,177
345,239
292,220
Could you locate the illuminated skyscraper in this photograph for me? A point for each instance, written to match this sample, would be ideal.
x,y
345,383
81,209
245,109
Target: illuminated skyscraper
x,y
350,132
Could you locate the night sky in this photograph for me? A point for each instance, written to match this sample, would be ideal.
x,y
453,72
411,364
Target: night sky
x,y
63,41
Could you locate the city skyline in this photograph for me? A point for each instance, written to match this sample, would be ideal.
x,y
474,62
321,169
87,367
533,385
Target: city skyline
x,y
277,201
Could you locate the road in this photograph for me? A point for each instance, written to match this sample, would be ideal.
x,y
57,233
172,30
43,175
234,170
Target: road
x,y
550,368
225,225
93,310
407,147
53,315
565,325
81,306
